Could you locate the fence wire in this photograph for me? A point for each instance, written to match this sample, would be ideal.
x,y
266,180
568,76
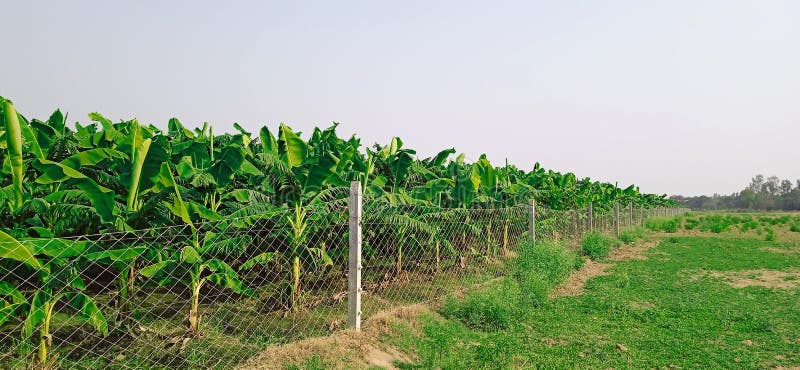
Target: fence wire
x,y
213,294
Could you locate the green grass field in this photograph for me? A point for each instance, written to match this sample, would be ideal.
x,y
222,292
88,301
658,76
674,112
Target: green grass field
x,y
697,301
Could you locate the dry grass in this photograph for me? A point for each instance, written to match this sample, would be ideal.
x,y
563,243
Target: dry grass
x,y
763,277
347,349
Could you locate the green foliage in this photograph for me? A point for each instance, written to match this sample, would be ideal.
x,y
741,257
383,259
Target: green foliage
x,y
541,266
748,225
795,228
484,310
770,234
716,223
596,245
579,262
662,224
629,236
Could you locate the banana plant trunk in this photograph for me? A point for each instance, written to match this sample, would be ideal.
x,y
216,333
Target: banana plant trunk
x,y
505,238
194,315
44,334
438,259
399,261
128,284
489,241
295,283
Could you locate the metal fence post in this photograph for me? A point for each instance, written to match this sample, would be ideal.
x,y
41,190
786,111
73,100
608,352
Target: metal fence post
x,y
354,260
532,219
590,221
616,217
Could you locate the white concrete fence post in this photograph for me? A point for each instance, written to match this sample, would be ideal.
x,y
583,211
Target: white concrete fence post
x,y
616,217
532,219
354,260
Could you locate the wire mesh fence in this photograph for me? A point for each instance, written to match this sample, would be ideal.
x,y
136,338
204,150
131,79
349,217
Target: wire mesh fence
x,y
213,294
415,253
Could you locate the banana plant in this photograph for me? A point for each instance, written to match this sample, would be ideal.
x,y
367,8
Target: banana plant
x,y
124,261
56,262
191,267
298,232
394,162
192,264
14,147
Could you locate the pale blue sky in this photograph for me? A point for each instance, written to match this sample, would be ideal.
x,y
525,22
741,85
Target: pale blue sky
x,y
682,97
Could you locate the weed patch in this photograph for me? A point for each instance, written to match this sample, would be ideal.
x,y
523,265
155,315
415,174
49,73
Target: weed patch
x,y
597,246
629,236
540,267
483,310
661,224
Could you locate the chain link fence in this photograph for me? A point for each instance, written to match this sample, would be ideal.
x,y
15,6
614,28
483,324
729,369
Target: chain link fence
x,y
213,294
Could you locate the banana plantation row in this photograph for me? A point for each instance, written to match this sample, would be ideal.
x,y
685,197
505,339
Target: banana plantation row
x,y
110,226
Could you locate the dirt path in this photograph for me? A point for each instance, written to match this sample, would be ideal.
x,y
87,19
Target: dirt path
x,y
576,283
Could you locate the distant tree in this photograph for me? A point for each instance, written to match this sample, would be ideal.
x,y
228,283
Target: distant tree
x,y
771,186
762,193
786,187
756,183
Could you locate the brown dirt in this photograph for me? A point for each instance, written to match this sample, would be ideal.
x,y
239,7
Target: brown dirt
x,y
554,341
764,277
346,349
631,251
576,282
645,305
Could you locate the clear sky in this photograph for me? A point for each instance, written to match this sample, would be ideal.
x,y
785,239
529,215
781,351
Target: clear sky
x,y
679,97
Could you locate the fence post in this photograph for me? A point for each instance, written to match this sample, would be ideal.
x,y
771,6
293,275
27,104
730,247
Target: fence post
x,y
616,217
590,221
354,260
532,219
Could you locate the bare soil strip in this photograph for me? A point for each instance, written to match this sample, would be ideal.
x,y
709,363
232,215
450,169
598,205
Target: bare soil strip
x,y
764,278
576,282
347,349
781,250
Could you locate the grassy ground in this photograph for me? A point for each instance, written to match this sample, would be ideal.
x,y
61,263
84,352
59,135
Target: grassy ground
x,y
699,300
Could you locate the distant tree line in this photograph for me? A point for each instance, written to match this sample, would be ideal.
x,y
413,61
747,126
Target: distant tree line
x,y
763,193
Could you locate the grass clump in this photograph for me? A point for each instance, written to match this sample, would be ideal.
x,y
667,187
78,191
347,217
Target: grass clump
x,y
540,267
596,245
748,225
717,223
630,236
313,363
662,224
770,237
795,228
483,310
